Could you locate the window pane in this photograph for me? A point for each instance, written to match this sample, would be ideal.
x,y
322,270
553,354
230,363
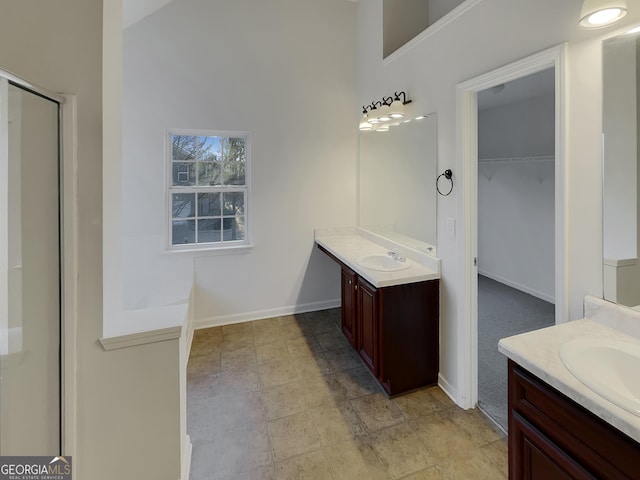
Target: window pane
x,y
183,205
210,149
208,173
208,204
234,228
184,147
209,230
234,173
184,173
235,151
183,231
233,203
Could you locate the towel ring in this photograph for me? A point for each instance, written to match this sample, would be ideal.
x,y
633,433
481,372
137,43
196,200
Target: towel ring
x,y
448,174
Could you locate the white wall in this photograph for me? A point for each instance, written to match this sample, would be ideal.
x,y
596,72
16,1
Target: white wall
x,y
516,195
491,34
286,73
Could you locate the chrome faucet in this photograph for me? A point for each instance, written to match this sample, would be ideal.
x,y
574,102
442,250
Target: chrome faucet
x,y
396,256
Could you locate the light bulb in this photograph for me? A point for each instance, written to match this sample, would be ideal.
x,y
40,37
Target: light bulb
x,y
396,109
603,17
383,114
600,13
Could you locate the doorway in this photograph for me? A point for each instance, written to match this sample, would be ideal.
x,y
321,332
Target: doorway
x,y
516,210
467,96
30,265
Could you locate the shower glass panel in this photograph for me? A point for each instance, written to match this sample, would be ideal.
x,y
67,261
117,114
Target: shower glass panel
x,y
30,260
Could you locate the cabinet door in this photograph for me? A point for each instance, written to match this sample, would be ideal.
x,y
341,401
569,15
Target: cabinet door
x,y
348,310
367,326
533,456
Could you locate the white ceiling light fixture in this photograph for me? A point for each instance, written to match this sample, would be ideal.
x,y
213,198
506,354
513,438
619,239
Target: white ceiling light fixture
x,y
602,13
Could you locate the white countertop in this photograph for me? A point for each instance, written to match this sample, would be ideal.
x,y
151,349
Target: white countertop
x,y
350,243
539,353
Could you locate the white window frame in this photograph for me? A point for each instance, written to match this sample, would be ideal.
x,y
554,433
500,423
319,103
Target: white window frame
x,y
229,246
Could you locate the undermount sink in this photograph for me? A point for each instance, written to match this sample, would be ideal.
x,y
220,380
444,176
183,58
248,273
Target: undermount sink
x,y
382,263
607,366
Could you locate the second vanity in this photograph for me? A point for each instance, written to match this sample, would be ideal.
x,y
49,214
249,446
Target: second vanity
x,y
390,305
573,397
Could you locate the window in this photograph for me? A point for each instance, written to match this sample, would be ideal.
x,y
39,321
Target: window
x,y
208,176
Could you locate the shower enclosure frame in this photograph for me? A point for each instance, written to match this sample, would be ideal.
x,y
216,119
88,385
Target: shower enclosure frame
x,y
68,250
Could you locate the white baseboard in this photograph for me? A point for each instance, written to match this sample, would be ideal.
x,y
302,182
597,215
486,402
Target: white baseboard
x,y
517,286
219,320
447,388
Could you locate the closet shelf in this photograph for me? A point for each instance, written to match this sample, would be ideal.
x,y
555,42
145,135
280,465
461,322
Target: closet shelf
x,y
515,160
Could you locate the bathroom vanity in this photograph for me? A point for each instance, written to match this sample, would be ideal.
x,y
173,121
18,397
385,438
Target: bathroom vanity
x,y
560,427
389,312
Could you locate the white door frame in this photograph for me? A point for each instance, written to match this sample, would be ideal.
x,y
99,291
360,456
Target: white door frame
x,y
467,148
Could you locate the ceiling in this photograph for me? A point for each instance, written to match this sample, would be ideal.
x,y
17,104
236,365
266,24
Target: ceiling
x,y
532,86
135,10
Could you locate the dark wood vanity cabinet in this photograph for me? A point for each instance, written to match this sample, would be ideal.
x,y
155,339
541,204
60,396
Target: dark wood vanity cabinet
x,y
397,333
348,296
367,325
394,329
553,438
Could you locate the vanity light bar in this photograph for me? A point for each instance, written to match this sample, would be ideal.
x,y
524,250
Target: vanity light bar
x,y
389,109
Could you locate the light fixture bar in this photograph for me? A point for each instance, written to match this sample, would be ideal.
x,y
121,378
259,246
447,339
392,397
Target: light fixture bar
x,y
389,109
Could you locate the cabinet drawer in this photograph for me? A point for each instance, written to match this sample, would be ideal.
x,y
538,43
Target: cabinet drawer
x,y
601,449
541,458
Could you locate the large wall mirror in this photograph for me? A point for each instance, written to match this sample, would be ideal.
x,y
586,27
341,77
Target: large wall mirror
x,y
397,174
621,195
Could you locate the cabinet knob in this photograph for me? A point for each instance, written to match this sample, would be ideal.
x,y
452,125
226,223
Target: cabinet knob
x,y
356,287
350,282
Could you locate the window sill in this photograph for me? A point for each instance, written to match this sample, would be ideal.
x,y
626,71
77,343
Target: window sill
x,y
206,251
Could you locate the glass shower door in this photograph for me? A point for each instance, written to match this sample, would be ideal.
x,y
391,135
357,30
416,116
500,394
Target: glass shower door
x,y
30,300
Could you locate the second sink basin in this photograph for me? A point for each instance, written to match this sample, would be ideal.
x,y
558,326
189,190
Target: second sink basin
x,y
382,263
607,366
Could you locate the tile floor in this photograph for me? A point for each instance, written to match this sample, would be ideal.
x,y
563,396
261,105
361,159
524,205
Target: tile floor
x,y
287,398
